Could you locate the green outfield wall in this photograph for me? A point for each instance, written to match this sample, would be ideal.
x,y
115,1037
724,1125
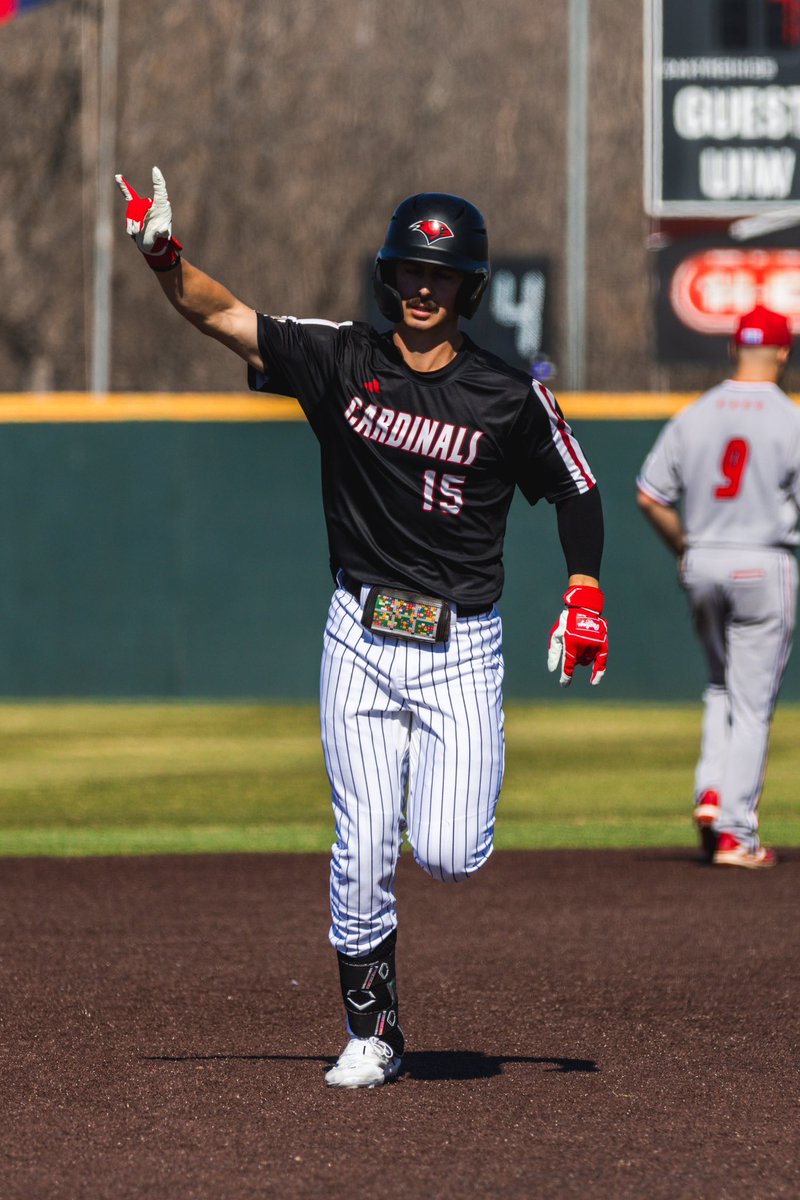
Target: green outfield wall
x,y
187,558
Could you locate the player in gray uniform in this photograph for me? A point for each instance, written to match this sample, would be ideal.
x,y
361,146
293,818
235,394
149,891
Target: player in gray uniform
x,y
423,440
733,459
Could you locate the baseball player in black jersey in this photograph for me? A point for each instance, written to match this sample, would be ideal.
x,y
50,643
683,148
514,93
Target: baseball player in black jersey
x,y
423,439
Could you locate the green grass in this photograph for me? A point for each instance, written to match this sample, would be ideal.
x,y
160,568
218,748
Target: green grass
x,y
81,779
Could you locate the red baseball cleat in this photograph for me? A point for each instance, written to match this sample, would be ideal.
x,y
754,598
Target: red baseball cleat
x,y
730,852
707,808
706,811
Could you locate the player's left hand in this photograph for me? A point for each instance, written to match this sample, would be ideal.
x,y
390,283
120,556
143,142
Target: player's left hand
x,y
580,635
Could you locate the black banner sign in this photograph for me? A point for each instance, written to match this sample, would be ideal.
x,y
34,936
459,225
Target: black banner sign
x,y
723,106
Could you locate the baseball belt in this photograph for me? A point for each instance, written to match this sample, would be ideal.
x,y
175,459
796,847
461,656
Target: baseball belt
x,y
393,618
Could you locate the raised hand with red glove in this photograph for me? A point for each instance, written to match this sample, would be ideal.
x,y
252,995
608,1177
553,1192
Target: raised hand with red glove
x,y
149,222
580,635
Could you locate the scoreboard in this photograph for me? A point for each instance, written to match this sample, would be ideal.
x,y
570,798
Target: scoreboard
x,y
722,111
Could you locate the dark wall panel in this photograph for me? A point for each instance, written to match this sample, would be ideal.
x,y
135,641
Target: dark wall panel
x,y
189,560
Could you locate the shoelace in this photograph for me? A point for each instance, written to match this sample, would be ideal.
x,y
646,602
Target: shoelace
x,y
383,1049
357,1047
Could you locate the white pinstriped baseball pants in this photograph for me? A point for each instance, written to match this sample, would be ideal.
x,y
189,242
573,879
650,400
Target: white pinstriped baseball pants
x,y
413,741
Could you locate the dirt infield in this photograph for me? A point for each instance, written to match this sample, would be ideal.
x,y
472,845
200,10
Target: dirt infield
x,y
618,1024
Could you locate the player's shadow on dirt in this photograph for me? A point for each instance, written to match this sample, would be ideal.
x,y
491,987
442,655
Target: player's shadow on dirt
x,y
473,1064
418,1064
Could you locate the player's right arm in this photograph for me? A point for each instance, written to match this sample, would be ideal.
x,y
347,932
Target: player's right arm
x,y
201,300
212,309
660,485
665,519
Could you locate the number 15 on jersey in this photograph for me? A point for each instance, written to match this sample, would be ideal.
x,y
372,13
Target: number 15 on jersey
x,y
445,492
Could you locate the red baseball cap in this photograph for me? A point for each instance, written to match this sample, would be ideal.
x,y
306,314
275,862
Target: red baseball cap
x,y
761,327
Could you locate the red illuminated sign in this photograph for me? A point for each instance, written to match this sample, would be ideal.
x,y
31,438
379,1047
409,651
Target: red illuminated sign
x,y
711,289
790,22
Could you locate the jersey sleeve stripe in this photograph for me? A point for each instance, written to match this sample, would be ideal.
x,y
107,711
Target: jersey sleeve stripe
x,y
566,445
312,321
322,321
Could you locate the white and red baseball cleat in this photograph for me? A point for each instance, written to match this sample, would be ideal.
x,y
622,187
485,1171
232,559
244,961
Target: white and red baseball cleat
x,y
706,811
730,852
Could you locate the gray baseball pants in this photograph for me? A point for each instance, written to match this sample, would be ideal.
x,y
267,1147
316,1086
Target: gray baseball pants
x,y
743,603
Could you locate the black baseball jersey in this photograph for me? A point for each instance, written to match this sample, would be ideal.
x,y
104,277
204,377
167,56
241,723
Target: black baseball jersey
x,y
419,468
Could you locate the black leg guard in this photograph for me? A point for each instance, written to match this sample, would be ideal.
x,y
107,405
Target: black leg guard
x,y
369,991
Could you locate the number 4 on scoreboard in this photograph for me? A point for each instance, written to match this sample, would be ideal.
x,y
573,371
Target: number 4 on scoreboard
x,y
734,461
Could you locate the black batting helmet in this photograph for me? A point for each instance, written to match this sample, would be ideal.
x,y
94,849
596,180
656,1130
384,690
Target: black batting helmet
x,y
434,227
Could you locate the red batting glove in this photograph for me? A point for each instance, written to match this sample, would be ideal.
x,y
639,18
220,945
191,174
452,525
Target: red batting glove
x,y
580,635
149,222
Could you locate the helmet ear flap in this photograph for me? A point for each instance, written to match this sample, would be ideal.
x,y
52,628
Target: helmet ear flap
x,y
388,299
387,296
470,294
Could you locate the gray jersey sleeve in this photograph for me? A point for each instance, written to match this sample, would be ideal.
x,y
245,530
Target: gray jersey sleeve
x,y
661,476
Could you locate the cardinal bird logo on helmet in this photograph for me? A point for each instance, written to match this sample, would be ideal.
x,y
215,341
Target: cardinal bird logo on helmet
x,y
432,230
